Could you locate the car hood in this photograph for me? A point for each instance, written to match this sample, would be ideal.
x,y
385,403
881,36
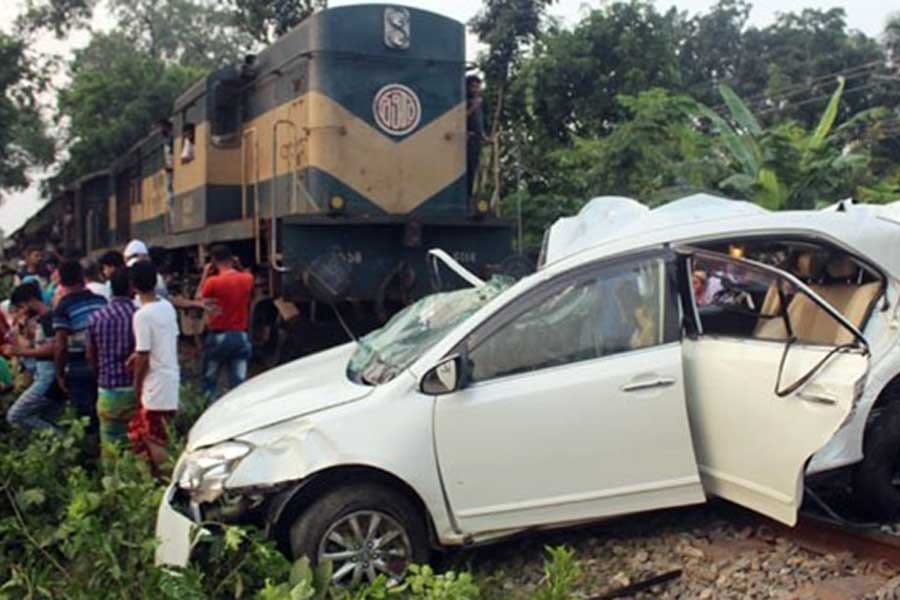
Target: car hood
x,y
298,388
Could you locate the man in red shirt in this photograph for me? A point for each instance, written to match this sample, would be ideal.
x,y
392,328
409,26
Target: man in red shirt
x,y
227,343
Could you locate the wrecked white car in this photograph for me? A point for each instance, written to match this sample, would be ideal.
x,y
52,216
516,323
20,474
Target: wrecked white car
x,y
705,348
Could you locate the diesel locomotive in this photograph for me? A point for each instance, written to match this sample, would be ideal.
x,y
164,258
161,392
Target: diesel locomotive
x,y
330,162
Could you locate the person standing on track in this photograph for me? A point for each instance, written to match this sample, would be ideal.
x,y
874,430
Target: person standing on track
x,y
227,343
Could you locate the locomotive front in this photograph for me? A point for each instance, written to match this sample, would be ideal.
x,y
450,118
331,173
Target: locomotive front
x,y
371,156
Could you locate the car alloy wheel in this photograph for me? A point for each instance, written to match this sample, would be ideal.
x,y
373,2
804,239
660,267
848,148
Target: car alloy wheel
x,y
364,544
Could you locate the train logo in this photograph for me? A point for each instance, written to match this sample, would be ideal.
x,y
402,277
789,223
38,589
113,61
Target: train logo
x,y
397,109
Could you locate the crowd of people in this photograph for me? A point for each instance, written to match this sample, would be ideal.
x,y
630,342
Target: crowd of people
x,y
103,336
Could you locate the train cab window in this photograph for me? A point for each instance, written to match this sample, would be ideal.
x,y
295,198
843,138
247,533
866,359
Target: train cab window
x,y
188,140
225,121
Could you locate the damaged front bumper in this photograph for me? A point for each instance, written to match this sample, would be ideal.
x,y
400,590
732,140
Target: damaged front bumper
x,y
183,524
176,531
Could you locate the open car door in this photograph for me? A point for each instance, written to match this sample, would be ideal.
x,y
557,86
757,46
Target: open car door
x,y
772,372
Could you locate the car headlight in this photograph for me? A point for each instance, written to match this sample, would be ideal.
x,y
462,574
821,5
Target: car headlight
x,y
203,472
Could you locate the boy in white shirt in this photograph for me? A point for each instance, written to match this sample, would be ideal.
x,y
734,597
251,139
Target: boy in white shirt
x,y
156,372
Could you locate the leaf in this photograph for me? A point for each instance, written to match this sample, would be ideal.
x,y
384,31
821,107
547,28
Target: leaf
x,y
743,149
772,193
233,538
739,111
739,182
303,591
322,578
31,497
301,571
828,118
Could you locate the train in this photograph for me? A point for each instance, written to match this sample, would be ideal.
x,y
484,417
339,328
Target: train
x,y
331,162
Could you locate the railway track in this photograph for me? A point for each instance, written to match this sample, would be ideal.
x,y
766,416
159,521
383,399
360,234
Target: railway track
x,y
870,542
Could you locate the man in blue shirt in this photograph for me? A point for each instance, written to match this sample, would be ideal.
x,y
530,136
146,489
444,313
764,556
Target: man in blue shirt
x,y
70,321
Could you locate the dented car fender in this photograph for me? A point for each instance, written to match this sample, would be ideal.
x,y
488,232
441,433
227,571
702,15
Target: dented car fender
x,y
288,455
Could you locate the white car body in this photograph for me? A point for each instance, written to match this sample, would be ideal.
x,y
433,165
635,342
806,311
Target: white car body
x,y
632,431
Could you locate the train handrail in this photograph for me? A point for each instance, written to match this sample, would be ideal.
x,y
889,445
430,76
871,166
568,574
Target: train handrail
x,y
273,230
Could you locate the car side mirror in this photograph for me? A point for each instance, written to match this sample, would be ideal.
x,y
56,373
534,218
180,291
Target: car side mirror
x,y
444,378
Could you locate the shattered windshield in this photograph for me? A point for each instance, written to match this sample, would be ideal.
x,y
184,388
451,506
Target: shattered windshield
x,y
385,352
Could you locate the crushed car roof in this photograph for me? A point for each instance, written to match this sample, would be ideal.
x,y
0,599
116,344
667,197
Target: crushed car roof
x,y
613,224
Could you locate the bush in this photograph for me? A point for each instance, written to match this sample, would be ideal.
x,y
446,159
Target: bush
x,y
71,527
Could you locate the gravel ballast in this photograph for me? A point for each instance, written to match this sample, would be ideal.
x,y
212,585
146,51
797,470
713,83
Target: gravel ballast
x,y
722,552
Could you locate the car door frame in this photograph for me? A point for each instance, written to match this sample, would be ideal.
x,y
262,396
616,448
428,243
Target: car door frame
x,y
738,483
688,299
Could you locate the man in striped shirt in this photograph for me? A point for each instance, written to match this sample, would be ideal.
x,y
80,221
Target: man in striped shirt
x,y
70,319
110,341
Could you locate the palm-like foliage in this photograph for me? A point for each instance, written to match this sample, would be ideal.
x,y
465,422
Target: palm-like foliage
x,y
784,166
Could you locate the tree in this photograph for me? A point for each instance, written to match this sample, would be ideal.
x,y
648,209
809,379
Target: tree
x,y
23,139
655,153
266,20
892,40
506,27
800,56
622,49
116,94
788,166
713,49
58,16
199,33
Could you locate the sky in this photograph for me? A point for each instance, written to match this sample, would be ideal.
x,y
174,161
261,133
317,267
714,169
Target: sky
x,y
868,16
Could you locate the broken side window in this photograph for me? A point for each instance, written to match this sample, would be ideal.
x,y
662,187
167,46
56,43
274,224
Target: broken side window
x,y
599,313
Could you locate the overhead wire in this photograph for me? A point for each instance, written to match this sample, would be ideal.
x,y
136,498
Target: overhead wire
x,y
799,87
822,97
795,89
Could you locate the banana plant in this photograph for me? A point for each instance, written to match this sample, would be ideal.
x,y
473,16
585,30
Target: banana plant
x,y
775,168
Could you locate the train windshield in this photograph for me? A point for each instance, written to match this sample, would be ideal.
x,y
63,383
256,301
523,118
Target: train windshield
x,y
386,352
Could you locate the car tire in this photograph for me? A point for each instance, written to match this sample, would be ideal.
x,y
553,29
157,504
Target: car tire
x,y
874,491
330,517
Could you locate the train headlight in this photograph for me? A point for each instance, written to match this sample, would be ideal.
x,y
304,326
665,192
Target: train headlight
x,y
336,204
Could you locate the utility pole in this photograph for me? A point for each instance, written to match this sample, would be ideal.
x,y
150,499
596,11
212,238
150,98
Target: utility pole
x,y
519,246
